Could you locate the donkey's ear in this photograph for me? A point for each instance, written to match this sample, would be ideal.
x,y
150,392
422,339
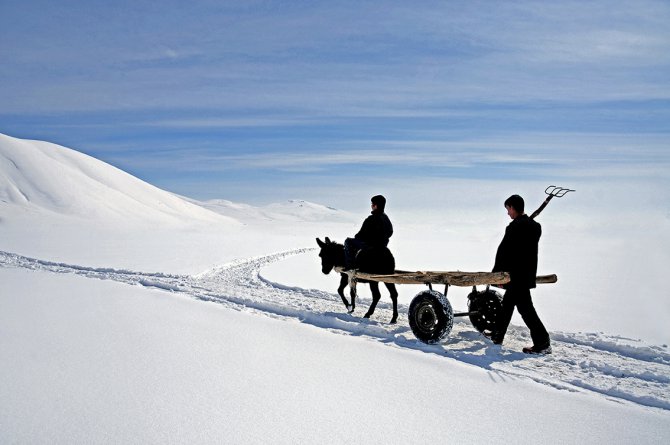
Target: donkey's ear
x,y
328,241
321,243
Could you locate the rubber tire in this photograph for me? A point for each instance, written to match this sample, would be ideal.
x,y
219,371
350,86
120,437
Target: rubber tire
x,y
431,317
488,304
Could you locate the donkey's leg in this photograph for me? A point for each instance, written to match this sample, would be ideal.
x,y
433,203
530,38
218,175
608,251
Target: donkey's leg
x,y
376,295
344,282
394,299
352,294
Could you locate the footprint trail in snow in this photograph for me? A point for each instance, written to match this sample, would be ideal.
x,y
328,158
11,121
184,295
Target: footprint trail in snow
x,y
620,369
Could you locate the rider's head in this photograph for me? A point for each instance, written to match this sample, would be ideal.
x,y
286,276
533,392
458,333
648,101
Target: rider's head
x,y
379,201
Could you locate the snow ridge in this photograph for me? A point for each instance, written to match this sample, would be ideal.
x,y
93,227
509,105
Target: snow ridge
x,y
615,367
50,178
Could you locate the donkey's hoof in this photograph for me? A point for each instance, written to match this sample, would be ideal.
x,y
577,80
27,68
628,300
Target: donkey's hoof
x,y
350,309
394,320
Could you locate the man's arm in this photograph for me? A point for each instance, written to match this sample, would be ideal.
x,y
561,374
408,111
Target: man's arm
x,y
364,233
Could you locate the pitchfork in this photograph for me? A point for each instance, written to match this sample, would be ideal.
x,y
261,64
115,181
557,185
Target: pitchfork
x,y
551,191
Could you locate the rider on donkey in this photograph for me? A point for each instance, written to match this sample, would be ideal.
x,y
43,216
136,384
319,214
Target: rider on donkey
x,y
375,232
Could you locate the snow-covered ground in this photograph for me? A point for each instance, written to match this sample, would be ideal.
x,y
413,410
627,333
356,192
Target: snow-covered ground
x,y
131,315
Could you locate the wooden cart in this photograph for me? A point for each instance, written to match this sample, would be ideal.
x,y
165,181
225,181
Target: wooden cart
x,y
430,314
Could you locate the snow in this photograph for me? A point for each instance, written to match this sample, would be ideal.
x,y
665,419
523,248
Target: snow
x,y
295,210
132,315
45,176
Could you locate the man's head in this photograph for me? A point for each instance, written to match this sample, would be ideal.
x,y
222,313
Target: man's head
x,y
379,201
515,206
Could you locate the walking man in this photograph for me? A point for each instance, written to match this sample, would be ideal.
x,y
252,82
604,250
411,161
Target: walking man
x,y
517,255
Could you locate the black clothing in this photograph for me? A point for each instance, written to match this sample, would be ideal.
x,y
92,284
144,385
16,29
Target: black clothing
x,y
351,248
521,299
376,230
517,255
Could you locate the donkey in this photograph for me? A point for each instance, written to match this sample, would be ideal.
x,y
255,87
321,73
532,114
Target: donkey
x,y
374,260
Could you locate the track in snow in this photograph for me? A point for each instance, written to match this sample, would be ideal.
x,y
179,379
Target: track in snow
x,y
620,369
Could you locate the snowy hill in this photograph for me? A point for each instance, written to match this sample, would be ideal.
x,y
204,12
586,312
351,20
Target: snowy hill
x,y
41,176
53,199
131,315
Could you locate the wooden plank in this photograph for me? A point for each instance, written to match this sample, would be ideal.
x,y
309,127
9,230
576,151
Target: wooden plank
x,y
546,279
456,278
441,277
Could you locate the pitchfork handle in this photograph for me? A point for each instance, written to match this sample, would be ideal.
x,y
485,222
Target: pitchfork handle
x,y
544,204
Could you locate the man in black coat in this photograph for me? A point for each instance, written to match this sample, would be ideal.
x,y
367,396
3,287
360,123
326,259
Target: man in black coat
x,y
375,232
517,255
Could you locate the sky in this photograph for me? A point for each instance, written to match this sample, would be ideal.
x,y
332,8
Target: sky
x,y
331,101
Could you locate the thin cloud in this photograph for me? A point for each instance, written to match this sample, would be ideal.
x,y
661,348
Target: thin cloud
x,y
564,152
294,91
333,58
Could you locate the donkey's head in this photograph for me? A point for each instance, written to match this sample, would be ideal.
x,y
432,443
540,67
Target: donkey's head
x,y
332,254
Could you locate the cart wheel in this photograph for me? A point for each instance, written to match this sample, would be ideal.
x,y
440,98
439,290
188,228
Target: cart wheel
x,y
430,316
486,306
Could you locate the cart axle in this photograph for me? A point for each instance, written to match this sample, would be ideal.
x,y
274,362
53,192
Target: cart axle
x,y
465,314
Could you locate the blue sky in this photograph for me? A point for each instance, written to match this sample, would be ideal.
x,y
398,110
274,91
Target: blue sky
x,y
262,101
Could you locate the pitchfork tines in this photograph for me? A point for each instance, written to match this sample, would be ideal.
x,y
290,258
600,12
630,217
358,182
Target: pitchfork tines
x,y
556,191
552,191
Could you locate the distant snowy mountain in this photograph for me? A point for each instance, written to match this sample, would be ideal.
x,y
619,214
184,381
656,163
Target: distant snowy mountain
x,y
309,211
292,210
38,176
42,176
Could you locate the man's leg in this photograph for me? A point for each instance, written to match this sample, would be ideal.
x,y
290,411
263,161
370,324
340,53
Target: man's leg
x,y
538,333
351,248
504,316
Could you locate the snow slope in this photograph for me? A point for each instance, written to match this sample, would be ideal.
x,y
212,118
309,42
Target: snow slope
x,y
613,366
103,362
198,329
43,177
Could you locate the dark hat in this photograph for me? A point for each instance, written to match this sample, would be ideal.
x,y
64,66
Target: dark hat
x,y
379,201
